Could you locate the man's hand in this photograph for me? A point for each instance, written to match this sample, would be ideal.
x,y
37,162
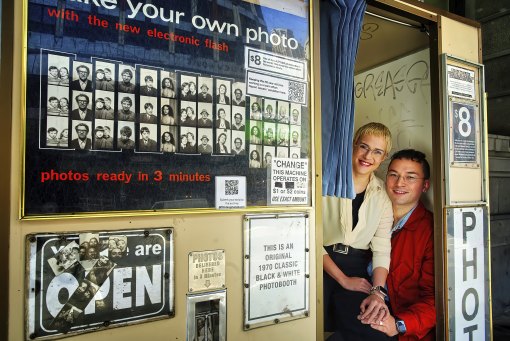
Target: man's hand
x,y
388,327
373,309
356,284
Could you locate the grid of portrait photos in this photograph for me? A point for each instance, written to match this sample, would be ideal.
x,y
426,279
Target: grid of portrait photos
x,y
275,131
109,106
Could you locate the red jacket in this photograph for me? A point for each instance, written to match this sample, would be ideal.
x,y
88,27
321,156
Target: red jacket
x,y
411,276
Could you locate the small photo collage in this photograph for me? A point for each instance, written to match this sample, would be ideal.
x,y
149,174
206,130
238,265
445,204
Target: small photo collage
x,y
274,131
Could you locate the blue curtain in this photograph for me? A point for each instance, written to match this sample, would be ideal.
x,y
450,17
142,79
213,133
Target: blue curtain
x,y
340,22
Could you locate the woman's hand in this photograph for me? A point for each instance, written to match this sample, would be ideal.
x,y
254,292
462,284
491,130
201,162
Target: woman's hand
x,y
373,309
356,284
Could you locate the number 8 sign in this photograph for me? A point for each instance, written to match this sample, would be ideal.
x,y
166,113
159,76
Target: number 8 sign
x,y
464,137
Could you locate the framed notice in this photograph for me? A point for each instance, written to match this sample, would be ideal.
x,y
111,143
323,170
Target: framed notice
x,y
276,269
468,295
77,283
138,106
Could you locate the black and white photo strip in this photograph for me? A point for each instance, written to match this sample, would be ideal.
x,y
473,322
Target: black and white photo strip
x,y
222,117
56,102
275,131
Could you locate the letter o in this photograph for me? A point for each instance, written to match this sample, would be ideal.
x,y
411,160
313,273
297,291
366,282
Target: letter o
x,y
292,43
467,316
195,23
278,41
64,281
146,12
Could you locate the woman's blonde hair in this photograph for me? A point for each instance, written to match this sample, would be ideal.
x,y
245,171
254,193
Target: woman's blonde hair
x,y
376,129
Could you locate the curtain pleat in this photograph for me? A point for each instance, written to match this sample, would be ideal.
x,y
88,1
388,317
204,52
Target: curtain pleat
x,y
341,22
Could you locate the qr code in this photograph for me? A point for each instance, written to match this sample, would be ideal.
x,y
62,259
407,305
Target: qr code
x,y
231,187
297,92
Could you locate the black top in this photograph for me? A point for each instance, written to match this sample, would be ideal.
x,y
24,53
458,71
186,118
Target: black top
x,y
356,204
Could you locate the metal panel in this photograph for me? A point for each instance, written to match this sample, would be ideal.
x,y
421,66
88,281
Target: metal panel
x,y
468,275
80,282
276,269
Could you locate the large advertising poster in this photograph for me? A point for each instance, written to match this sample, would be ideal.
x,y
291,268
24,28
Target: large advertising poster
x,y
82,282
138,105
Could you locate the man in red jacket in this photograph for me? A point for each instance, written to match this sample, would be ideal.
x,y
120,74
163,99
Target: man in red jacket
x,y
410,280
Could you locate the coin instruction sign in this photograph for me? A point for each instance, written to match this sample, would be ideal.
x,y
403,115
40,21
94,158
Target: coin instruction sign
x,y
80,282
276,268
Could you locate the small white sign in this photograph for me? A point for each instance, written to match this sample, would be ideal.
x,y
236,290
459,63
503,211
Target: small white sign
x,y
276,268
230,192
206,270
289,181
275,64
270,86
461,82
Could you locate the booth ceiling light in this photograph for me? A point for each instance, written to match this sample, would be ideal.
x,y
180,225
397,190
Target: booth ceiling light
x,y
392,20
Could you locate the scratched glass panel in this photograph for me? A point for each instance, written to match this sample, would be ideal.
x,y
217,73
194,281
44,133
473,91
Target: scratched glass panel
x,y
124,97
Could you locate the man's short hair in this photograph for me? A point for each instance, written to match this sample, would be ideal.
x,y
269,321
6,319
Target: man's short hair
x,y
81,125
147,105
126,99
416,156
204,86
238,90
148,78
238,139
50,129
52,68
238,115
126,131
204,111
82,95
144,129
82,67
128,72
376,129
52,98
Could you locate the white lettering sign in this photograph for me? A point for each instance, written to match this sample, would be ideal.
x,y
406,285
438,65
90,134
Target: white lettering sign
x,y
469,286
